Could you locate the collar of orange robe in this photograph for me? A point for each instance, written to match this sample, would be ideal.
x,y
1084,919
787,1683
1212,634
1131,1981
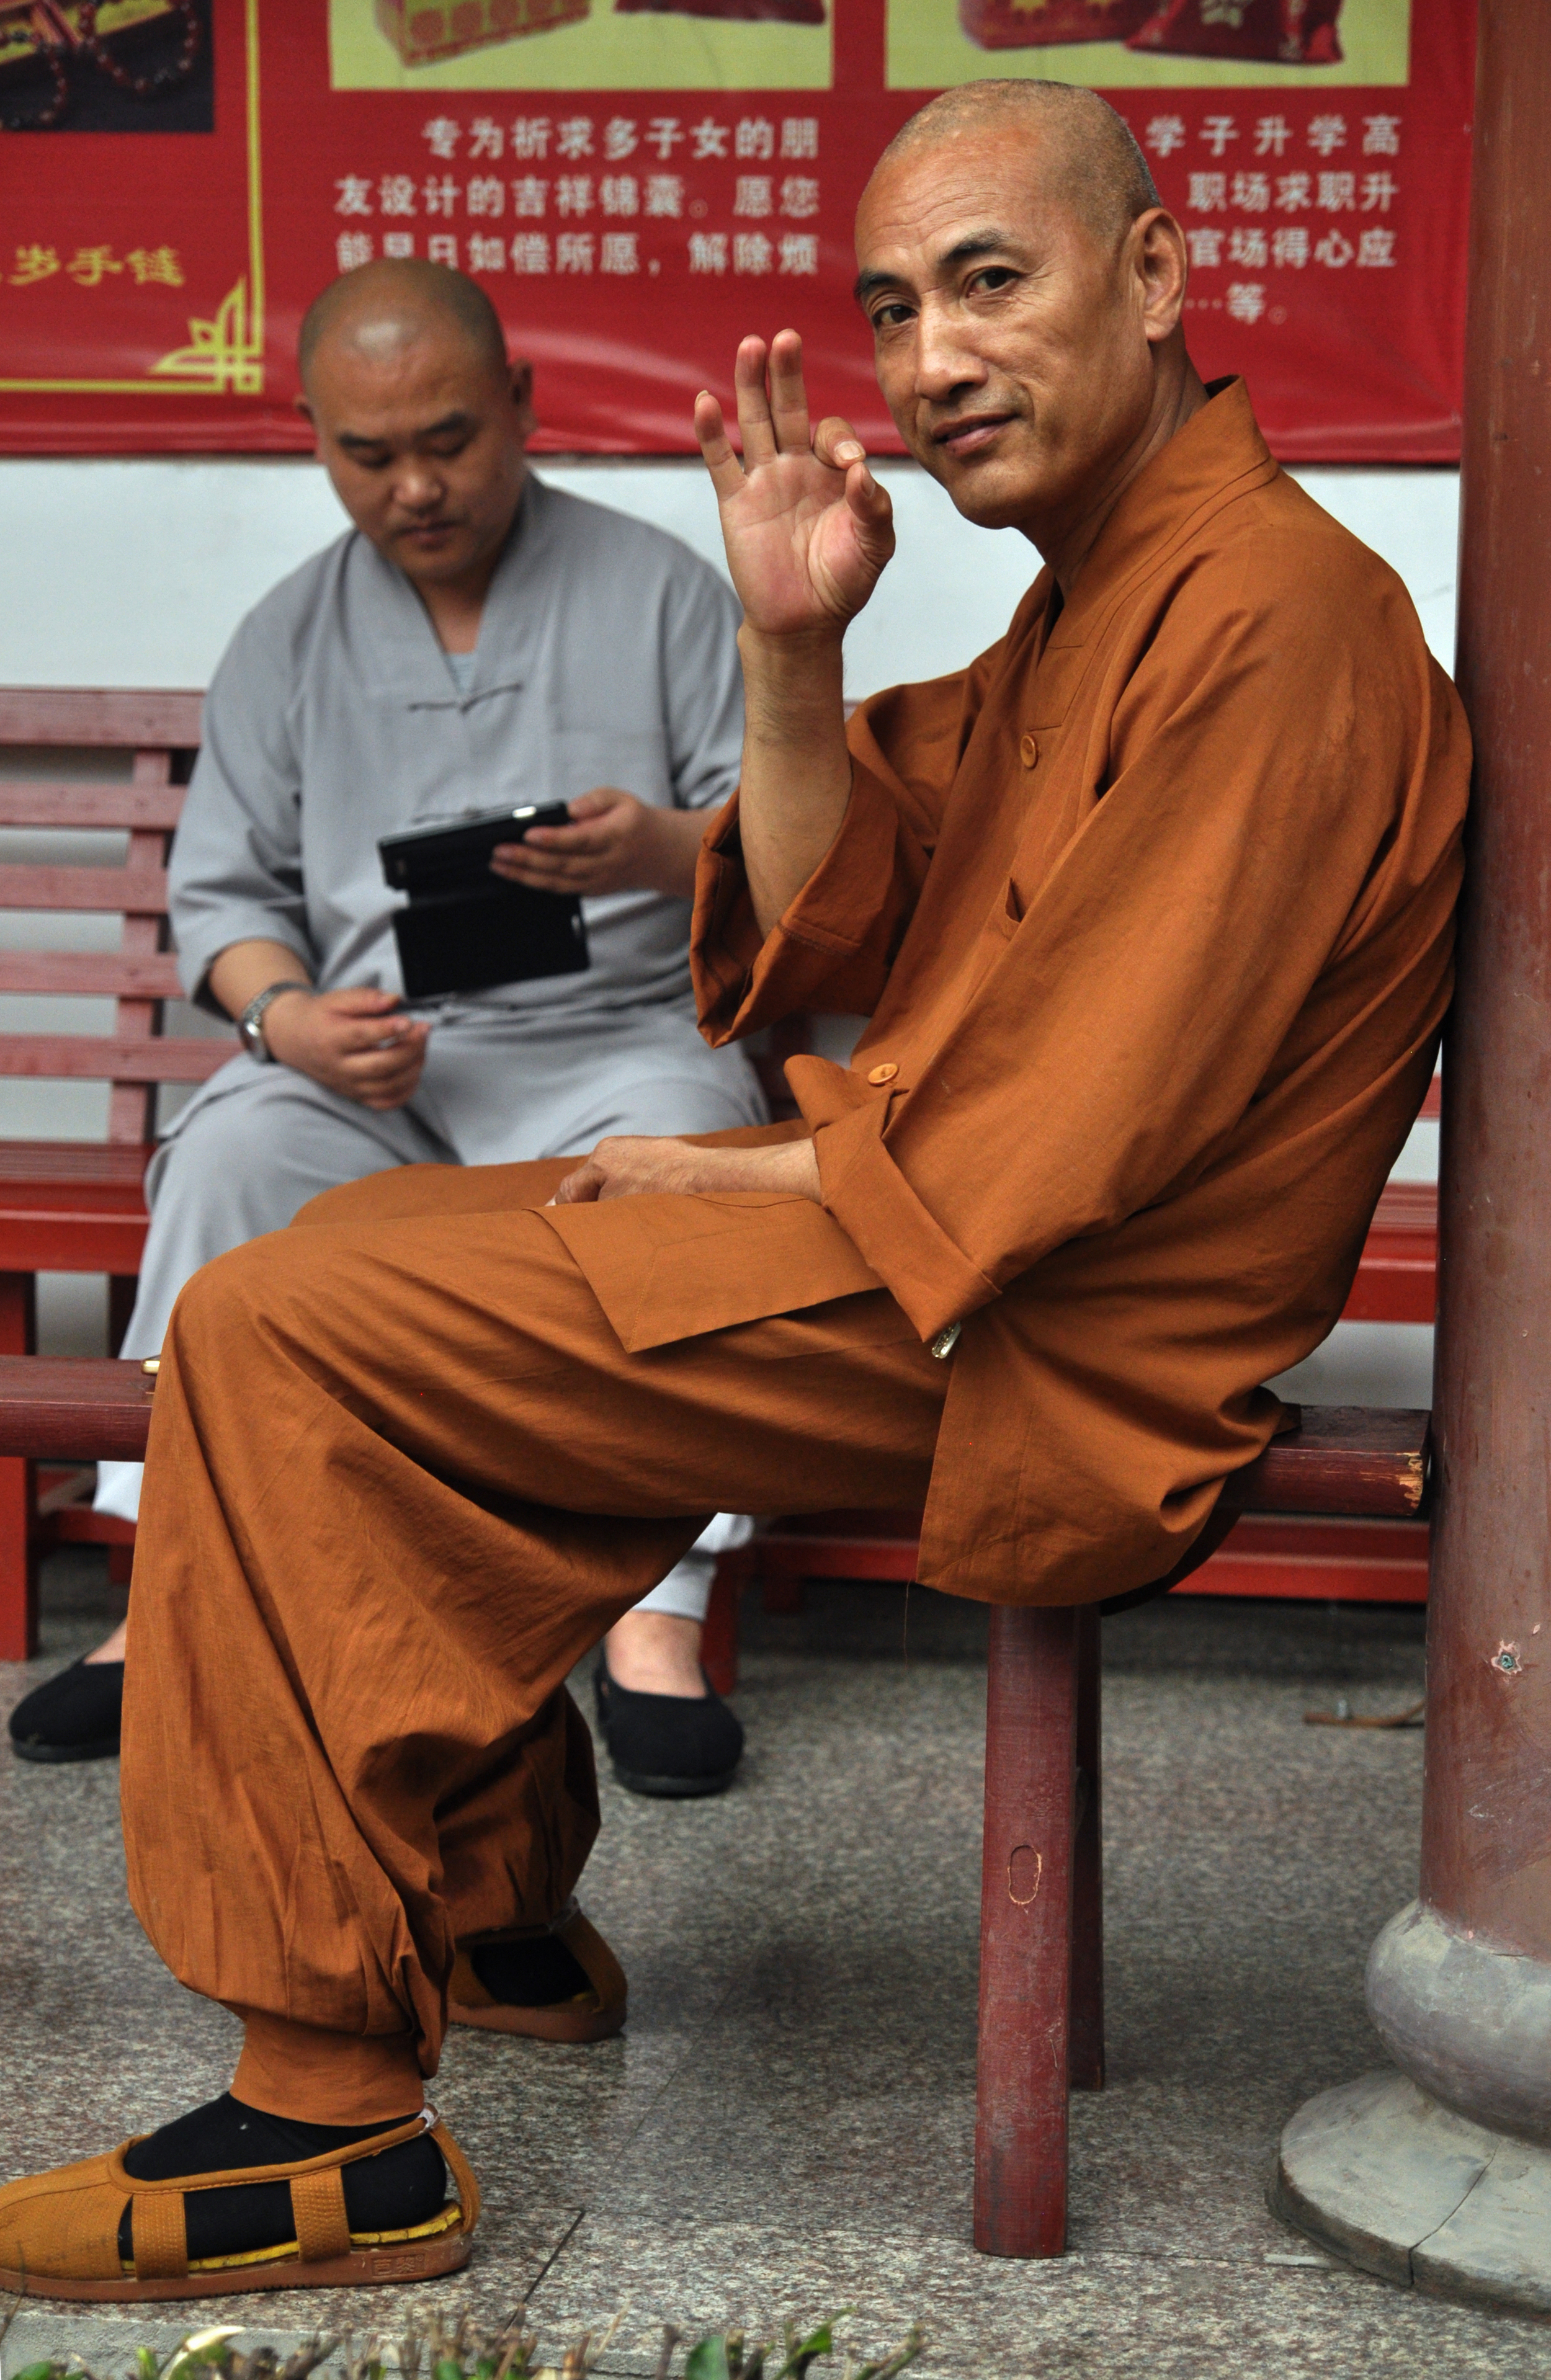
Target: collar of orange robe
x,y
1219,451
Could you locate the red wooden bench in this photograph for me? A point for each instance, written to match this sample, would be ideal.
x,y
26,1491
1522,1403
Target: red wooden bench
x,y
1041,2028
75,1205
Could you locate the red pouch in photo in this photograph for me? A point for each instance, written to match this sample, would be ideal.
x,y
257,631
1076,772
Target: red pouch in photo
x,y
731,12
1282,32
1035,24
423,31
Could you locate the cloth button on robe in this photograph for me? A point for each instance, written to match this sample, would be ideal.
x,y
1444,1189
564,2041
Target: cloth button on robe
x,y
1028,751
881,1074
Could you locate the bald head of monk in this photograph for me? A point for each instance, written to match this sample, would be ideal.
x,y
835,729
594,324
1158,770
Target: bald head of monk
x,y
420,419
1024,288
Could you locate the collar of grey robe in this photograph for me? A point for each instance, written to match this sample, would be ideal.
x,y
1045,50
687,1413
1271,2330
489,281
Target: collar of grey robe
x,y
409,666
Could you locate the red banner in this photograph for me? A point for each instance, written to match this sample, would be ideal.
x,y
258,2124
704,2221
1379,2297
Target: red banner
x,y
640,182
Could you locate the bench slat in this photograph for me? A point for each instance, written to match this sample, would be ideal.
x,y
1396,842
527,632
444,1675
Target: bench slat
x,y
51,714
89,1406
71,1057
71,1165
80,1405
29,802
1359,1460
98,974
141,891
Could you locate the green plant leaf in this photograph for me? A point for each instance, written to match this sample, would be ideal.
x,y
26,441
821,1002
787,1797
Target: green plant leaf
x,y
708,2360
799,2357
46,2371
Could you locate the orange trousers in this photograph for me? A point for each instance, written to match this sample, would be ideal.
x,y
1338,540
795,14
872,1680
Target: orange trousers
x,y
401,1477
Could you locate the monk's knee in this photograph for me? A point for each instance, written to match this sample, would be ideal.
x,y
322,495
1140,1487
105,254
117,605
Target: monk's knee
x,y
223,1308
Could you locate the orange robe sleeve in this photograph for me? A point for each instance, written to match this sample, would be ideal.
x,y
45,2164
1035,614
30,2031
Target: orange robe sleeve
x,y
833,949
1138,985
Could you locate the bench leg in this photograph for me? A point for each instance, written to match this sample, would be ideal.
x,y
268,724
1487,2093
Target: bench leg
x,y
123,1289
1026,1933
18,1494
718,1639
1087,1884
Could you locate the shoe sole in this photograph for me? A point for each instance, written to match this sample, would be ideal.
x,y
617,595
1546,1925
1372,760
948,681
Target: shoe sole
x,y
362,2269
559,2024
673,1788
105,1747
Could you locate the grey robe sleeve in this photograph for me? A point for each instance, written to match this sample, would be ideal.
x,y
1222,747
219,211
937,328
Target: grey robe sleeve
x,y
236,868
702,687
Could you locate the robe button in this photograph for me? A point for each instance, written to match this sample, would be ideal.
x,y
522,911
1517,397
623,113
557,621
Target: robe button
x,y
1028,751
879,1075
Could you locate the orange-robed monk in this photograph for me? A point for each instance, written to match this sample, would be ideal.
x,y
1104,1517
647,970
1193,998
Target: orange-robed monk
x,y
1151,913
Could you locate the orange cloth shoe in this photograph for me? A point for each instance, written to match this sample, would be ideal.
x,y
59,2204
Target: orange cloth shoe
x,y
593,2015
59,2230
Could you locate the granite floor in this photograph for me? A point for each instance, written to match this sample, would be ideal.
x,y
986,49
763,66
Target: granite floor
x,y
785,2128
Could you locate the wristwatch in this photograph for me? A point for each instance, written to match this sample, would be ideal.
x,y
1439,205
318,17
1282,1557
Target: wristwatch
x,y
249,1025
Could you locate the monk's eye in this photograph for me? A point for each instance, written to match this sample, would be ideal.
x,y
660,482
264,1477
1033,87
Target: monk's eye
x,y
889,318
991,278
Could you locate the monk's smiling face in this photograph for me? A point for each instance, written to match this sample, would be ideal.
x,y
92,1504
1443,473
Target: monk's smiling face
x,y
1025,322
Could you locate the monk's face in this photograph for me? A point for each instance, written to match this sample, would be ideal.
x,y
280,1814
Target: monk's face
x,y
1014,340
423,440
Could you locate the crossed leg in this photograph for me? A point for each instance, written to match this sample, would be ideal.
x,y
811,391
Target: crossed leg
x,y
406,1476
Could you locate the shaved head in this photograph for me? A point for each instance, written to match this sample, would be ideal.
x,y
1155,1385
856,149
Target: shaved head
x,y
379,310
1094,161
421,420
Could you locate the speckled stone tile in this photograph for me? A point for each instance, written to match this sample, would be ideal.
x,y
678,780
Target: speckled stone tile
x,y
786,2126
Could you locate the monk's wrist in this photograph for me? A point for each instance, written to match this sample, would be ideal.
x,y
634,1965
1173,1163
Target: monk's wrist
x,y
790,682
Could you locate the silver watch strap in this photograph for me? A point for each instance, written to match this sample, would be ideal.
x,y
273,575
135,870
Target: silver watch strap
x,y
250,1024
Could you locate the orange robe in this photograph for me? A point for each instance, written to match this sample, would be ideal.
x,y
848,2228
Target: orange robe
x,y
1152,910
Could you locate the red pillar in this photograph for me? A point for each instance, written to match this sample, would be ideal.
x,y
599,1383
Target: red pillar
x,y
1442,2176
1485,1901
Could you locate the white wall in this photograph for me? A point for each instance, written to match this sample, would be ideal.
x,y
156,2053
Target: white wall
x,y
134,573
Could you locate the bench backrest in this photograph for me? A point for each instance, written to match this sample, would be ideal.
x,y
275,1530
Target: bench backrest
x,y
160,732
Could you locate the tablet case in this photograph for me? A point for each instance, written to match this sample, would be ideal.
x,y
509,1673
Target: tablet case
x,y
467,930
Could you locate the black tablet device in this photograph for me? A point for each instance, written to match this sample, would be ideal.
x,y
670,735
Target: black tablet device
x,y
465,929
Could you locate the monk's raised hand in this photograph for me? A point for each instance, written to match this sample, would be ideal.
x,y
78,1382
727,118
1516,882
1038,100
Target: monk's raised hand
x,y
807,527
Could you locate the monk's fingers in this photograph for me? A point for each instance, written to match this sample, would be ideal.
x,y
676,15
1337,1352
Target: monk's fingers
x,y
837,443
721,458
597,832
580,1188
869,504
754,424
550,871
788,394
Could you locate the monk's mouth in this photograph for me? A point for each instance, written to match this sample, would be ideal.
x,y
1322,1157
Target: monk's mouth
x,y
961,438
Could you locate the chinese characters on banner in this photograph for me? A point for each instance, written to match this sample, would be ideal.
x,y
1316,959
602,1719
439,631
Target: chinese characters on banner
x,y
638,188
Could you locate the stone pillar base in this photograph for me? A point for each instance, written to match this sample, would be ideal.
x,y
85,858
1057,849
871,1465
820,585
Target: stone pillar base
x,y
1385,2178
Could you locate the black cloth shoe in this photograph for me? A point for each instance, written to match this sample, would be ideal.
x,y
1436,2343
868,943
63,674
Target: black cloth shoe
x,y
668,1745
74,1716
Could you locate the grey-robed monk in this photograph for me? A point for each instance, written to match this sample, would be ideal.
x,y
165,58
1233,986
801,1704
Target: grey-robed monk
x,y
606,657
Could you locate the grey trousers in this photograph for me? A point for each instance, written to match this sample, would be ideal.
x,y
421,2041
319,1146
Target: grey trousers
x,y
259,1141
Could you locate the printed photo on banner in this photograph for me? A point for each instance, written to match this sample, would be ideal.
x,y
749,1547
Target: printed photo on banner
x,y
1121,44
121,66
580,45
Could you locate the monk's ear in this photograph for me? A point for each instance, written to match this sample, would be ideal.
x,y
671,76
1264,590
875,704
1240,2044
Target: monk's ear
x,y
1158,257
522,396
